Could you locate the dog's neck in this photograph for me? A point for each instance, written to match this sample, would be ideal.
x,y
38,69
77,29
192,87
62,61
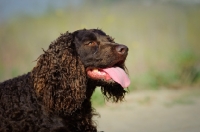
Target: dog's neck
x,y
90,89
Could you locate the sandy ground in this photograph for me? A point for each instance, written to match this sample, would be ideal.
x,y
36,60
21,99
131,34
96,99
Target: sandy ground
x,y
153,111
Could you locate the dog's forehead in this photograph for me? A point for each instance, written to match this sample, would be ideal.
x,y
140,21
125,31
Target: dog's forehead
x,y
97,31
92,34
102,36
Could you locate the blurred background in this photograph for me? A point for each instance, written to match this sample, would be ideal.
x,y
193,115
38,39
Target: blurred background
x,y
163,36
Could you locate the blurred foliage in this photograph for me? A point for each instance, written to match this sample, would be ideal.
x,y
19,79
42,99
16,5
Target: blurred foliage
x,y
163,39
189,70
97,97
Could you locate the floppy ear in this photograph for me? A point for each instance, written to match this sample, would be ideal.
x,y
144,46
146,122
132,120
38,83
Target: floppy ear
x,y
59,77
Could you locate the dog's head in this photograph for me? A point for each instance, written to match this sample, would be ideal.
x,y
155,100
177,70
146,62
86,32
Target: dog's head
x,y
104,61
76,62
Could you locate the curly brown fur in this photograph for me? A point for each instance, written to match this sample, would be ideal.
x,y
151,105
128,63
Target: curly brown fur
x,y
60,63
55,95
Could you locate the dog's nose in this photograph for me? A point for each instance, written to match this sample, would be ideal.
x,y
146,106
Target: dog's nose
x,y
121,49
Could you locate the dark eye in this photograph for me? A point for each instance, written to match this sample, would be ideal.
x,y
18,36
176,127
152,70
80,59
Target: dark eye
x,y
91,43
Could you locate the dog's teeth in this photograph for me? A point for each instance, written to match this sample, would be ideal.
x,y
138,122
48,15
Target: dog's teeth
x,y
95,70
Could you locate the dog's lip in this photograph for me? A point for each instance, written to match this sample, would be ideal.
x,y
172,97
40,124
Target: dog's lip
x,y
98,74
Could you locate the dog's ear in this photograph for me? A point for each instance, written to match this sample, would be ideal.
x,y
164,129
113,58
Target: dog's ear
x,y
59,77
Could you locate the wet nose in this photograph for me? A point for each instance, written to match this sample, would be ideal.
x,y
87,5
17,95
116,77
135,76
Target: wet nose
x,y
121,49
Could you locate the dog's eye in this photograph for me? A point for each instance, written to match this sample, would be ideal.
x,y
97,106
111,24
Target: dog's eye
x,y
91,43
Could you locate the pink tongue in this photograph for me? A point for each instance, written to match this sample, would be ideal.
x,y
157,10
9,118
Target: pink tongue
x,y
118,75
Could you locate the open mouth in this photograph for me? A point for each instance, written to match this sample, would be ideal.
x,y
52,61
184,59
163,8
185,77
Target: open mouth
x,y
99,74
112,74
